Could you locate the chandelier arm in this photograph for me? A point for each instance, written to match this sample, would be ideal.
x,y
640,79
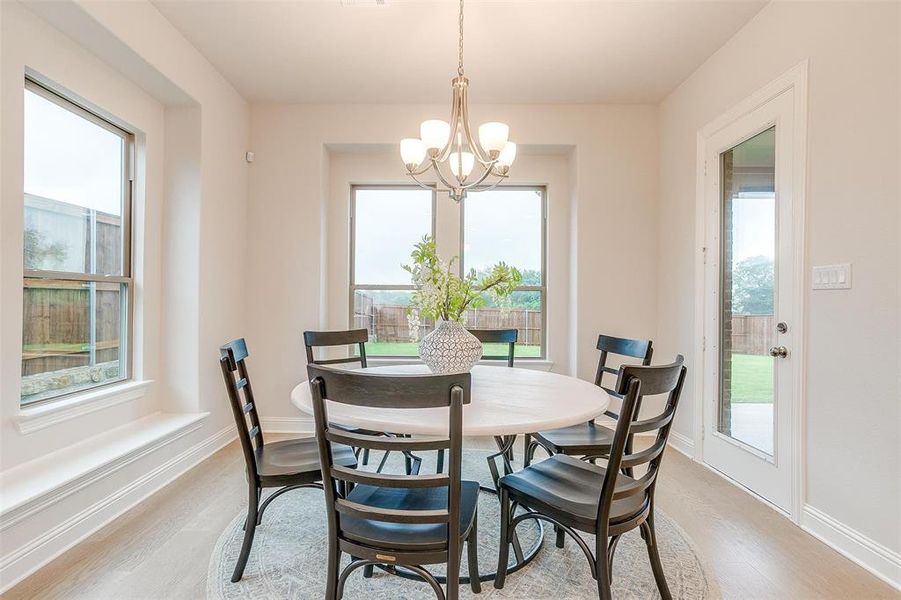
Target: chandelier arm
x,y
478,181
423,167
443,180
491,186
473,142
455,126
422,184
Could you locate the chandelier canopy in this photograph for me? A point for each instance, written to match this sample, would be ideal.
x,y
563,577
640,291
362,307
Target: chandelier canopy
x,y
451,151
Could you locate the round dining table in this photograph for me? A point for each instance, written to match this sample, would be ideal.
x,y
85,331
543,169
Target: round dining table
x,y
505,402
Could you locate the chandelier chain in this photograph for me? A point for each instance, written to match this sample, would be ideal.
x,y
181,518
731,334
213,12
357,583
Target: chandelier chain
x,y
460,65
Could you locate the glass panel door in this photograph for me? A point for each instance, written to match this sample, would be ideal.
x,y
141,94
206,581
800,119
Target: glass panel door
x,y
748,291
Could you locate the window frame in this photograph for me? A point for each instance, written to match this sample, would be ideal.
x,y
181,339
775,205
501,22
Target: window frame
x,y
353,286
126,278
542,289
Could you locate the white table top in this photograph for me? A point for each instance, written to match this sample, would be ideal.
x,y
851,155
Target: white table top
x,y
505,401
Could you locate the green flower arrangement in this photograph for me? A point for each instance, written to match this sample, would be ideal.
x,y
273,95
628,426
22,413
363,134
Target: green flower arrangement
x,y
442,294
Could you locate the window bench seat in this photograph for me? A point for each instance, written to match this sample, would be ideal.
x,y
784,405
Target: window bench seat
x,y
32,486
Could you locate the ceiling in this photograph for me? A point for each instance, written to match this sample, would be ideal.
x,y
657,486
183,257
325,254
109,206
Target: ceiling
x,y
516,51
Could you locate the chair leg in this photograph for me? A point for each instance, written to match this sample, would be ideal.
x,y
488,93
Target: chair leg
x,y
453,575
383,461
526,442
440,468
367,571
365,456
603,572
503,551
250,527
472,555
560,537
651,541
334,569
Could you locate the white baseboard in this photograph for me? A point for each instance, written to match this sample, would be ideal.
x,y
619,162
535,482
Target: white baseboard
x,y
287,424
682,443
23,561
882,562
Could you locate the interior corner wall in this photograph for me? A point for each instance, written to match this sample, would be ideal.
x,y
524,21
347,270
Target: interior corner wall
x,y
181,257
853,452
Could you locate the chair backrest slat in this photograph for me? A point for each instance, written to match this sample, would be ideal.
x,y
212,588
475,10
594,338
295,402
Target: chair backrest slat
x,y
625,347
389,480
498,336
634,383
232,360
357,388
360,440
391,515
327,339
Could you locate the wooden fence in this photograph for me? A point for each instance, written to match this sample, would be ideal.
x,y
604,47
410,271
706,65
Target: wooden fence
x,y
753,334
56,332
389,323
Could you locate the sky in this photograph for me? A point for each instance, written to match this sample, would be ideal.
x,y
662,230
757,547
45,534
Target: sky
x,y
71,159
500,225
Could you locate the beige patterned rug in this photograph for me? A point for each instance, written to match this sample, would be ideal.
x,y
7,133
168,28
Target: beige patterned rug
x,y
288,557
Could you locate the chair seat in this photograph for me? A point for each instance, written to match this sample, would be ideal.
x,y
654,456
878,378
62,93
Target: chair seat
x,y
569,490
582,439
404,536
288,458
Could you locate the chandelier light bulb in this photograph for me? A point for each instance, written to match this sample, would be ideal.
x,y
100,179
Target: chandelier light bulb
x,y
468,162
412,152
507,156
434,134
492,137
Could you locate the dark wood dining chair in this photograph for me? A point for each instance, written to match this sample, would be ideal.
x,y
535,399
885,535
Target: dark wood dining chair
x,y
498,336
287,464
358,338
592,440
397,521
575,495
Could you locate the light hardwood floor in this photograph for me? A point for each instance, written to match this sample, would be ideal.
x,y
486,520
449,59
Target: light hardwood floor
x,y
161,549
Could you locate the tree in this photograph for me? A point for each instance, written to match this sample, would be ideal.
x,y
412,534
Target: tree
x,y
39,254
752,286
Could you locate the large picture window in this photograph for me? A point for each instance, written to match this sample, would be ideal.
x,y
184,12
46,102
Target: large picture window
x,y
77,248
385,224
508,224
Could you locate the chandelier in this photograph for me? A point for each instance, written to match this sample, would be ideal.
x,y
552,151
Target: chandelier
x,y
449,149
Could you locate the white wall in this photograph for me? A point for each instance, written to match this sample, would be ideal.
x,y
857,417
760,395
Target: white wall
x,y
128,62
612,201
852,345
30,42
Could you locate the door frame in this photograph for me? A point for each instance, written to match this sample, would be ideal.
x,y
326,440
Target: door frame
x,y
795,80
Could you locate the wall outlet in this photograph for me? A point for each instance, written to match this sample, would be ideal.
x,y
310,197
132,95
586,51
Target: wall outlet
x,y
832,277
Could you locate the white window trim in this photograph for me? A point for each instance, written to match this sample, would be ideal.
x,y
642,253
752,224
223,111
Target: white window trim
x,y
126,363
46,414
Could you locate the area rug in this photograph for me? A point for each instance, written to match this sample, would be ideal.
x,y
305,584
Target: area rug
x,y
289,555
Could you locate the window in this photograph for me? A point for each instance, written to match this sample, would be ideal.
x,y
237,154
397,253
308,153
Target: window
x,y
385,224
508,224
77,248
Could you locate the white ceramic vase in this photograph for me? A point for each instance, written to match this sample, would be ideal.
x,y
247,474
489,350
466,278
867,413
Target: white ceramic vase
x,y
449,348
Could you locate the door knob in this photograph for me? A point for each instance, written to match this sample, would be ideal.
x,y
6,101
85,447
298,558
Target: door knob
x,y
778,351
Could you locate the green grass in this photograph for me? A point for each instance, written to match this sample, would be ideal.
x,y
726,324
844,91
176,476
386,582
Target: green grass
x,y
410,349
752,379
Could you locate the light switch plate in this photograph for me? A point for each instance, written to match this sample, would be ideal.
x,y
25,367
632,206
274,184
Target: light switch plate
x,y
832,277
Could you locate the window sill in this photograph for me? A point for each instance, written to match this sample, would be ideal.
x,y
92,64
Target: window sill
x,y
35,418
536,364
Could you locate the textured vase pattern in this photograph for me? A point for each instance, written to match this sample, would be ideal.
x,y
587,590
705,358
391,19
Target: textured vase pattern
x,y
450,349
